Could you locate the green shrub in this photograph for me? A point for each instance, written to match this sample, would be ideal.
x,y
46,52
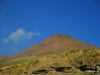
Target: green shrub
x,y
73,74
76,61
36,61
87,73
91,57
1,70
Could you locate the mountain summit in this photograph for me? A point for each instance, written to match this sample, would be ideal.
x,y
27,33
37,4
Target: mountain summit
x,y
53,44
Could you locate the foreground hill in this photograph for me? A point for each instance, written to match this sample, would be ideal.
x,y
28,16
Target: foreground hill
x,y
71,62
53,44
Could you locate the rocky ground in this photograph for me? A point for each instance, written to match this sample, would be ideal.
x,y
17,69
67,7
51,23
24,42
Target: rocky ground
x,y
72,62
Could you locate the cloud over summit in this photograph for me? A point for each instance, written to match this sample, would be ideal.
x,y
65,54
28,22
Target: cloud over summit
x,y
20,35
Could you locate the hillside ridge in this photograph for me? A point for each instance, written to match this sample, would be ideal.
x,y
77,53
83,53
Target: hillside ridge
x,y
53,44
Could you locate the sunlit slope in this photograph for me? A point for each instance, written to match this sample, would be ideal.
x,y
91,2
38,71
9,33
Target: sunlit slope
x,y
53,44
56,64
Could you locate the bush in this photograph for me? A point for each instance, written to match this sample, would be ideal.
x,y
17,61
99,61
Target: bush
x,y
91,57
36,61
1,70
76,61
87,73
73,74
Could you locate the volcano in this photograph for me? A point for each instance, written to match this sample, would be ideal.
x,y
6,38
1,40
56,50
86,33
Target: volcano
x,y
54,44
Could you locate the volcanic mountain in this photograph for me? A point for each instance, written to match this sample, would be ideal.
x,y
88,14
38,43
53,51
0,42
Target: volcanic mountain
x,y
53,44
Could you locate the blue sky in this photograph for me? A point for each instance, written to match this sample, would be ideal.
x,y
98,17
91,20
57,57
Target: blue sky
x,y
24,23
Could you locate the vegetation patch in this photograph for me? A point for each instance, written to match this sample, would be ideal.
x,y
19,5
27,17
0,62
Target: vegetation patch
x,y
68,62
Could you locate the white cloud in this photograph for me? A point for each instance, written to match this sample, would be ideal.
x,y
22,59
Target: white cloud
x,y
5,40
37,33
20,35
29,35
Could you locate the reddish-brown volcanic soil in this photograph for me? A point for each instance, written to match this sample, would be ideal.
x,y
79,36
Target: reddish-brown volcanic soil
x,y
53,44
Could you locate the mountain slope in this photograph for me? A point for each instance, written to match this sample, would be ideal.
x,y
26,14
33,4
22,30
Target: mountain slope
x,y
5,58
71,62
53,44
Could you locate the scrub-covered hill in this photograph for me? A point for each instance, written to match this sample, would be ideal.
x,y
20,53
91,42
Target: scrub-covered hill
x,y
71,62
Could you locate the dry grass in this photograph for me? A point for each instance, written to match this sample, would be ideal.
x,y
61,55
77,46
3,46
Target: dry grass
x,y
69,58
